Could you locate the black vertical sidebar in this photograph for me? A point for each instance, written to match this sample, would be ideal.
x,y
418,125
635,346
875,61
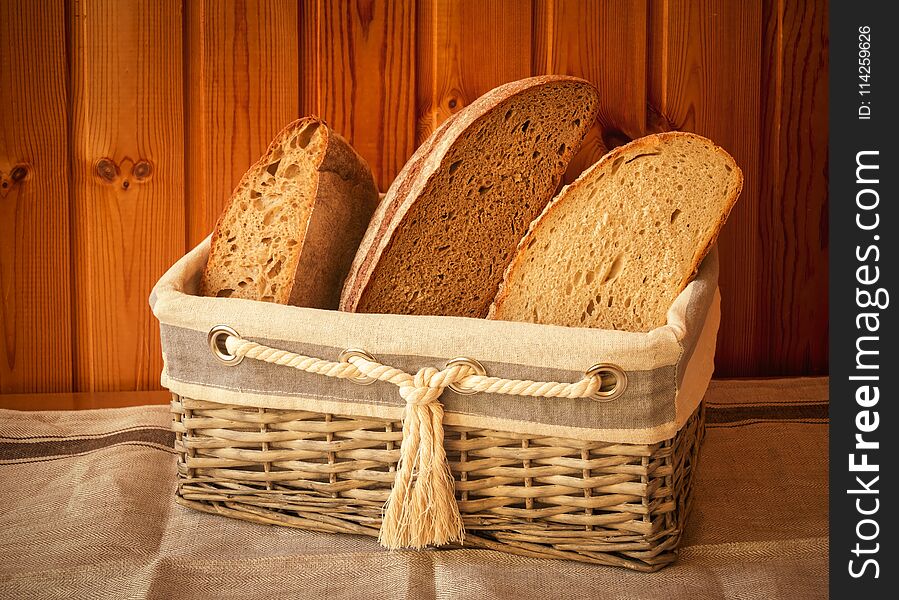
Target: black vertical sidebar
x,y
864,366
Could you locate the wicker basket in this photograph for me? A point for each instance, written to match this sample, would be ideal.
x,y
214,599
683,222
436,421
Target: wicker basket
x,y
611,504
300,463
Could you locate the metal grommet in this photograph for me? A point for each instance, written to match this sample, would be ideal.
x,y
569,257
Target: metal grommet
x,y
470,362
349,353
610,392
216,339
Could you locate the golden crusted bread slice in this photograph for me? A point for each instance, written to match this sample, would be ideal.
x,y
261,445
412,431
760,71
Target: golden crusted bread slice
x,y
618,245
440,240
292,226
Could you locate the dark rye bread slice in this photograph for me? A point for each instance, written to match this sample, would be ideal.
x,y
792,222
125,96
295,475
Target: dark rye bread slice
x,y
292,225
440,240
616,247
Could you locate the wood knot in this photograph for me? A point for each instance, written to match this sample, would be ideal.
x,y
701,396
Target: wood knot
x,y
106,169
455,100
142,170
19,173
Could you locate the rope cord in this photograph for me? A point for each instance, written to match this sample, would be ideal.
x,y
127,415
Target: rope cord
x,y
427,378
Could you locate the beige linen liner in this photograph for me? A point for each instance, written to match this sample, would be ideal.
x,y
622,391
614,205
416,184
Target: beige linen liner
x,y
668,368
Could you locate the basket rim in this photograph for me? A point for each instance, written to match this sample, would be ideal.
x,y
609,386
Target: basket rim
x,y
669,367
174,302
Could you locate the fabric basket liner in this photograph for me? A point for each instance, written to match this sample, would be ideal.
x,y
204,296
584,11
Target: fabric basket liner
x,y
668,368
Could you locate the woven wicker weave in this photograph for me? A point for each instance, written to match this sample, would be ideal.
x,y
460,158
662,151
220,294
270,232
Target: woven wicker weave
x,y
597,502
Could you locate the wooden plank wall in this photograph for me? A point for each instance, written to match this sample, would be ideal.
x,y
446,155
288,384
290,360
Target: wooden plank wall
x,y
127,157
35,243
125,124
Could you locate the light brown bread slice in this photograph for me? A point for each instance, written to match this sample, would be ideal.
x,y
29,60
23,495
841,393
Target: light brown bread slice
x,y
292,226
439,242
618,245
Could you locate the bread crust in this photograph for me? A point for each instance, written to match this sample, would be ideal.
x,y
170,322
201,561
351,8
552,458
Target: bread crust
x,y
415,176
342,200
648,142
385,220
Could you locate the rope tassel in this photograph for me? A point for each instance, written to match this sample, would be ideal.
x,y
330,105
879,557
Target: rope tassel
x,y
421,510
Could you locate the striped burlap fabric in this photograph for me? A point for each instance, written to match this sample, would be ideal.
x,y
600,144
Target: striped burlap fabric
x,y
88,511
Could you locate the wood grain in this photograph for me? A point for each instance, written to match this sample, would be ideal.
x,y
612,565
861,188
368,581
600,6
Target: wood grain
x,y
35,269
604,43
181,97
793,188
704,77
464,49
242,89
364,70
128,183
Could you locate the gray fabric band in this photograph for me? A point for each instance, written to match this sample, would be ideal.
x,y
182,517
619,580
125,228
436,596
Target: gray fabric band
x,y
647,402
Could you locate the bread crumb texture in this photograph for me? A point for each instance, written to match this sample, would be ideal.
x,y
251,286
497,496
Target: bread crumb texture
x,y
448,254
618,245
259,237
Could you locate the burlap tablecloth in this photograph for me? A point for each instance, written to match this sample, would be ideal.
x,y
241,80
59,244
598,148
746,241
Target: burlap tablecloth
x,y
87,510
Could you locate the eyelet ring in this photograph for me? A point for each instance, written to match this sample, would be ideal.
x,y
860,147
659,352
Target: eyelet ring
x,y
216,338
470,362
351,352
617,388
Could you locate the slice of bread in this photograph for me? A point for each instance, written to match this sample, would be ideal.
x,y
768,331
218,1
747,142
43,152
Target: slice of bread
x,y
440,240
292,226
618,245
